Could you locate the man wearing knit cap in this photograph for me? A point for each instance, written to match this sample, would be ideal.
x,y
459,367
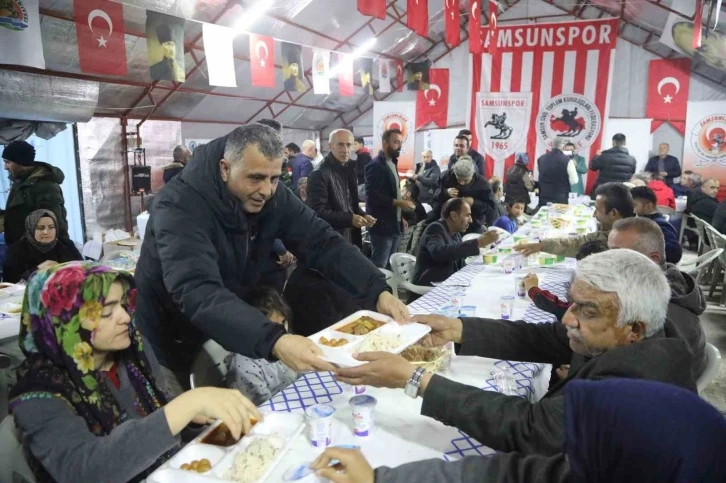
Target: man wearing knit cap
x,y
35,186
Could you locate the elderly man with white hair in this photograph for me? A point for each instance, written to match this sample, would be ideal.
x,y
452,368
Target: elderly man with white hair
x,y
687,301
462,181
614,328
427,177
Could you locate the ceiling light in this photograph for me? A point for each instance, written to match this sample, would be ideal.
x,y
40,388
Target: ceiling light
x,y
252,14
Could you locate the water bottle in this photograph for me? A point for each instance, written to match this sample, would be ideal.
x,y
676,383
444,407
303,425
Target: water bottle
x,y
551,213
504,380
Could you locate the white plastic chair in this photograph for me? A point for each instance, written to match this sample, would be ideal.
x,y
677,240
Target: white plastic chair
x,y
208,368
391,280
713,362
696,266
403,266
427,207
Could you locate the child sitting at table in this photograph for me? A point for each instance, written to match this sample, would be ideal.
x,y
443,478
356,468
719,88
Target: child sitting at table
x,y
513,219
259,379
546,300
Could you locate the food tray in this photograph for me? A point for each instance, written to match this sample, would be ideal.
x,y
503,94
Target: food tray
x,y
343,356
280,428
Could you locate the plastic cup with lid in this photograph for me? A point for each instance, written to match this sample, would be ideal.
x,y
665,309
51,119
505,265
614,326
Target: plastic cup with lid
x,y
319,420
363,415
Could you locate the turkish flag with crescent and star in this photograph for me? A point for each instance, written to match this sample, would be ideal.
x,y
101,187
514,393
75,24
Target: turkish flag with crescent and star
x,y
101,38
432,104
668,83
475,43
417,15
399,75
453,20
262,60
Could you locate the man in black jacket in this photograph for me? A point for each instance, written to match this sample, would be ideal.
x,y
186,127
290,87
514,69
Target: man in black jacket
x,y
613,329
333,189
362,158
554,175
427,177
664,164
441,251
210,232
464,182
181,155
461,148
614,164
702,202
383,199
479,160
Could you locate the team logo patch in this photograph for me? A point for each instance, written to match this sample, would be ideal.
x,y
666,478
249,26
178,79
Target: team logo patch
x,y
708,140
503,120
13,15
396,120
570,116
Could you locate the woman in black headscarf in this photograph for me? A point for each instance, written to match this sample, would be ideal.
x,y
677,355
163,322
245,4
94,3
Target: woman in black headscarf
x,y
39,248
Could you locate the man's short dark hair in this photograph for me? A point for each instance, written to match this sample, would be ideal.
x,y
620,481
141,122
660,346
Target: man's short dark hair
x,y
453,205
271,123
619,138
414,190
179,152
465,132
359,140
495,186
644,193
617,197
388,134
570,144
591,248
513,201
461,136
293,148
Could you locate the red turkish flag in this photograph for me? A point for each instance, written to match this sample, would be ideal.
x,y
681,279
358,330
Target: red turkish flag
x,y
345,75
262,60
399,75
432,104
475,46
452,22
418,16
373,8
101,39
492,31
668,83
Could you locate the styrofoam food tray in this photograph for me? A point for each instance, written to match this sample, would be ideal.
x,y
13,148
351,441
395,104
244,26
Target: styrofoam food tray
x,y
281,428
343,356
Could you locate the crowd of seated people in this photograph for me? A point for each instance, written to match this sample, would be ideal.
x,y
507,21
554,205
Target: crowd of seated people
x,y
108,355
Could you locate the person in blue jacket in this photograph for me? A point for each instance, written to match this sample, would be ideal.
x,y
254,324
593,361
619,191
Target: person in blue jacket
x,y
645,206
510,222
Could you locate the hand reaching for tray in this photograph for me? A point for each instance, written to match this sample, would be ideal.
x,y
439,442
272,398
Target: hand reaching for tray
x,y
383,370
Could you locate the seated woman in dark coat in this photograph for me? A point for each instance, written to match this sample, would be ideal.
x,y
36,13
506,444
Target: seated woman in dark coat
x,y
89,399
39,248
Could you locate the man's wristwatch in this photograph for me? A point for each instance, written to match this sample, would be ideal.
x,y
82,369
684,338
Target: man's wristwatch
x,y
413,384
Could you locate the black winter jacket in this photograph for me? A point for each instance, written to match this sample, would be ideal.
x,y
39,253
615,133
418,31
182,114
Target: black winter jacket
x,y
554,184
428,181
23,258
515,185
441,253
484,210
701,205
363,157
202,254
614,165
39,188
333,194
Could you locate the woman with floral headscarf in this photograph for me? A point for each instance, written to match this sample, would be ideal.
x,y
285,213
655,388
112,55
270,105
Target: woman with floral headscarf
x,y
87,398
39,248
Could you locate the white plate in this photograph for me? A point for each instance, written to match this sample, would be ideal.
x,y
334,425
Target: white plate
x,y
343,356
281,428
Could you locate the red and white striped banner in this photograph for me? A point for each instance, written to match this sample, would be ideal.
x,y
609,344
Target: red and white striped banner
x,y
567,66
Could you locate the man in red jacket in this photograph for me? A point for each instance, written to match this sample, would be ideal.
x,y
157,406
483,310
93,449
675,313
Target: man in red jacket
x,y
663,193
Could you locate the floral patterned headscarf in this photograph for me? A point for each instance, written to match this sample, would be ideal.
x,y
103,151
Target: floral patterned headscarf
x,y
61,311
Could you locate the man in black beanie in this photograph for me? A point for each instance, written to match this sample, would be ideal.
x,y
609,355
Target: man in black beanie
x,y
35,185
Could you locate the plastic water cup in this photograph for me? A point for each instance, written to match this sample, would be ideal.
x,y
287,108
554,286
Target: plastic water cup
x,y
547,260
519,286
506,303
508,265
489,258
363,415
456,297
320,424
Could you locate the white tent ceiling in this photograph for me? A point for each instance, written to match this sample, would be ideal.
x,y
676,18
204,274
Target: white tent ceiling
x,y
329,24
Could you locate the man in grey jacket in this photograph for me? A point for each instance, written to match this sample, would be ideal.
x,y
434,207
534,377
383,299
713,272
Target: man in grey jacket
x,y
613,329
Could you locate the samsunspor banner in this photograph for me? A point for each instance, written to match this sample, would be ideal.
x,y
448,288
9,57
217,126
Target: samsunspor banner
x,y
395,115
704,146
565,66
